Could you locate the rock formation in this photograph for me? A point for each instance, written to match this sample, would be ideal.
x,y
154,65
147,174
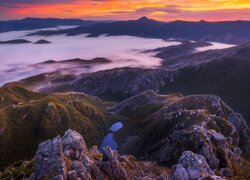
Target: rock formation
x,y
67,157
203,124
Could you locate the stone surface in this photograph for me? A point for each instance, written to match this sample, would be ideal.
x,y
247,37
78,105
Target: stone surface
x,y
202,124
67,157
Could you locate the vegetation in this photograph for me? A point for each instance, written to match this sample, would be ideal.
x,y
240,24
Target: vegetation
x,y
28,118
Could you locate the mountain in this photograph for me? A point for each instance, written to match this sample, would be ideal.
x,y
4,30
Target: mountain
x,y
15,41
38,23
42,41
203,124
232,32
27,118
223,72
177,137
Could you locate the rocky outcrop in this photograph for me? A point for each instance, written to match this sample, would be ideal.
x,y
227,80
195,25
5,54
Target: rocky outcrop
x,y
192,166
203,124
121,83
67,157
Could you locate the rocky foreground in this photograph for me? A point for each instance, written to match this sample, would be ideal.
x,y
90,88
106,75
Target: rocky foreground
x,y
203,124
68,157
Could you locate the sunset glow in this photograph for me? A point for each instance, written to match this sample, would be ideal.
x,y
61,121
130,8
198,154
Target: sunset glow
x,y
211,10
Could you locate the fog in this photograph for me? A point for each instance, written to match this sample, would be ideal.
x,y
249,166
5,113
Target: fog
x,y
17,60
124,51
215,45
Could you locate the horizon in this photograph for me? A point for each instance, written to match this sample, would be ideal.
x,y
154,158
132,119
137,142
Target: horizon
x,y
116,20
192,10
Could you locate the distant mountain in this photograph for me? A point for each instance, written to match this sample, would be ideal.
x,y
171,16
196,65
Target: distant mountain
x,y
234,32
37,23
42,41
15,41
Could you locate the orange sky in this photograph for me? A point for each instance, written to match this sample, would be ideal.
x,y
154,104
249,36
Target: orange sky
x,y
164,10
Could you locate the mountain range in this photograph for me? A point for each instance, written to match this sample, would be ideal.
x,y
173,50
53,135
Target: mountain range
x,y
187,119
38,23
234,32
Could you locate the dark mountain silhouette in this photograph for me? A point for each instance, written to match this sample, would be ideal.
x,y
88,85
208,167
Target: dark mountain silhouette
x,y
15,41
37,23
235,32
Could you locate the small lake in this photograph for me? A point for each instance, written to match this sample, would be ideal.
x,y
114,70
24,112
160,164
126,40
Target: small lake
x,y
109,138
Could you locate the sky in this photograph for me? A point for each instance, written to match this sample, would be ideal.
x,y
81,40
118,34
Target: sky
x,y
163,10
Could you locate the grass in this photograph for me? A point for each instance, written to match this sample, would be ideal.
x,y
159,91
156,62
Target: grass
x,y
28,118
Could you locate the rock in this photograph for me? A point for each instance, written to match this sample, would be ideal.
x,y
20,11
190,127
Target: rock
x,y
67,157
73,145
49,160
239,122
111,164
195,164
179,173
80,170
202,124
225,172
192,166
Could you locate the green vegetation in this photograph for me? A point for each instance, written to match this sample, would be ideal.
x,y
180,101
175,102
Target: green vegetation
x,y
28,118
19,170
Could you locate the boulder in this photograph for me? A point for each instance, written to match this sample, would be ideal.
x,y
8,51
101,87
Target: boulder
x,y
67,157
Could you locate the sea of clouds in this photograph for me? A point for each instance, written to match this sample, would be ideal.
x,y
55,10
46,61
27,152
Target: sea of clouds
x,y
16,60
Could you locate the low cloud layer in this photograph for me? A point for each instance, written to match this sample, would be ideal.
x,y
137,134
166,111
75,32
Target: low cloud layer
x,y
124,51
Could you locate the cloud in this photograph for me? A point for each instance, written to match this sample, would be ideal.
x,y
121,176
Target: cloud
x,y
164,10
14,3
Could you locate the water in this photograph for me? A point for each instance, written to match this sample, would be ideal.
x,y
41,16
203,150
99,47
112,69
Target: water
x,y
109,138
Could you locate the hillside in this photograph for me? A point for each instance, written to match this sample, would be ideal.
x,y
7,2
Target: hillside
x,y
171,137
28,118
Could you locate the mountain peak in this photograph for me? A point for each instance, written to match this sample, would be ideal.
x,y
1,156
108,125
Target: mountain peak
x,y
145,19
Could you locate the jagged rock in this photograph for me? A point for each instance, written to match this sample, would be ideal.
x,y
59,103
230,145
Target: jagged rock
x,y
74,145
49,159
238,121
112,166
192,166
179,173
203,124
196,165
67,157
